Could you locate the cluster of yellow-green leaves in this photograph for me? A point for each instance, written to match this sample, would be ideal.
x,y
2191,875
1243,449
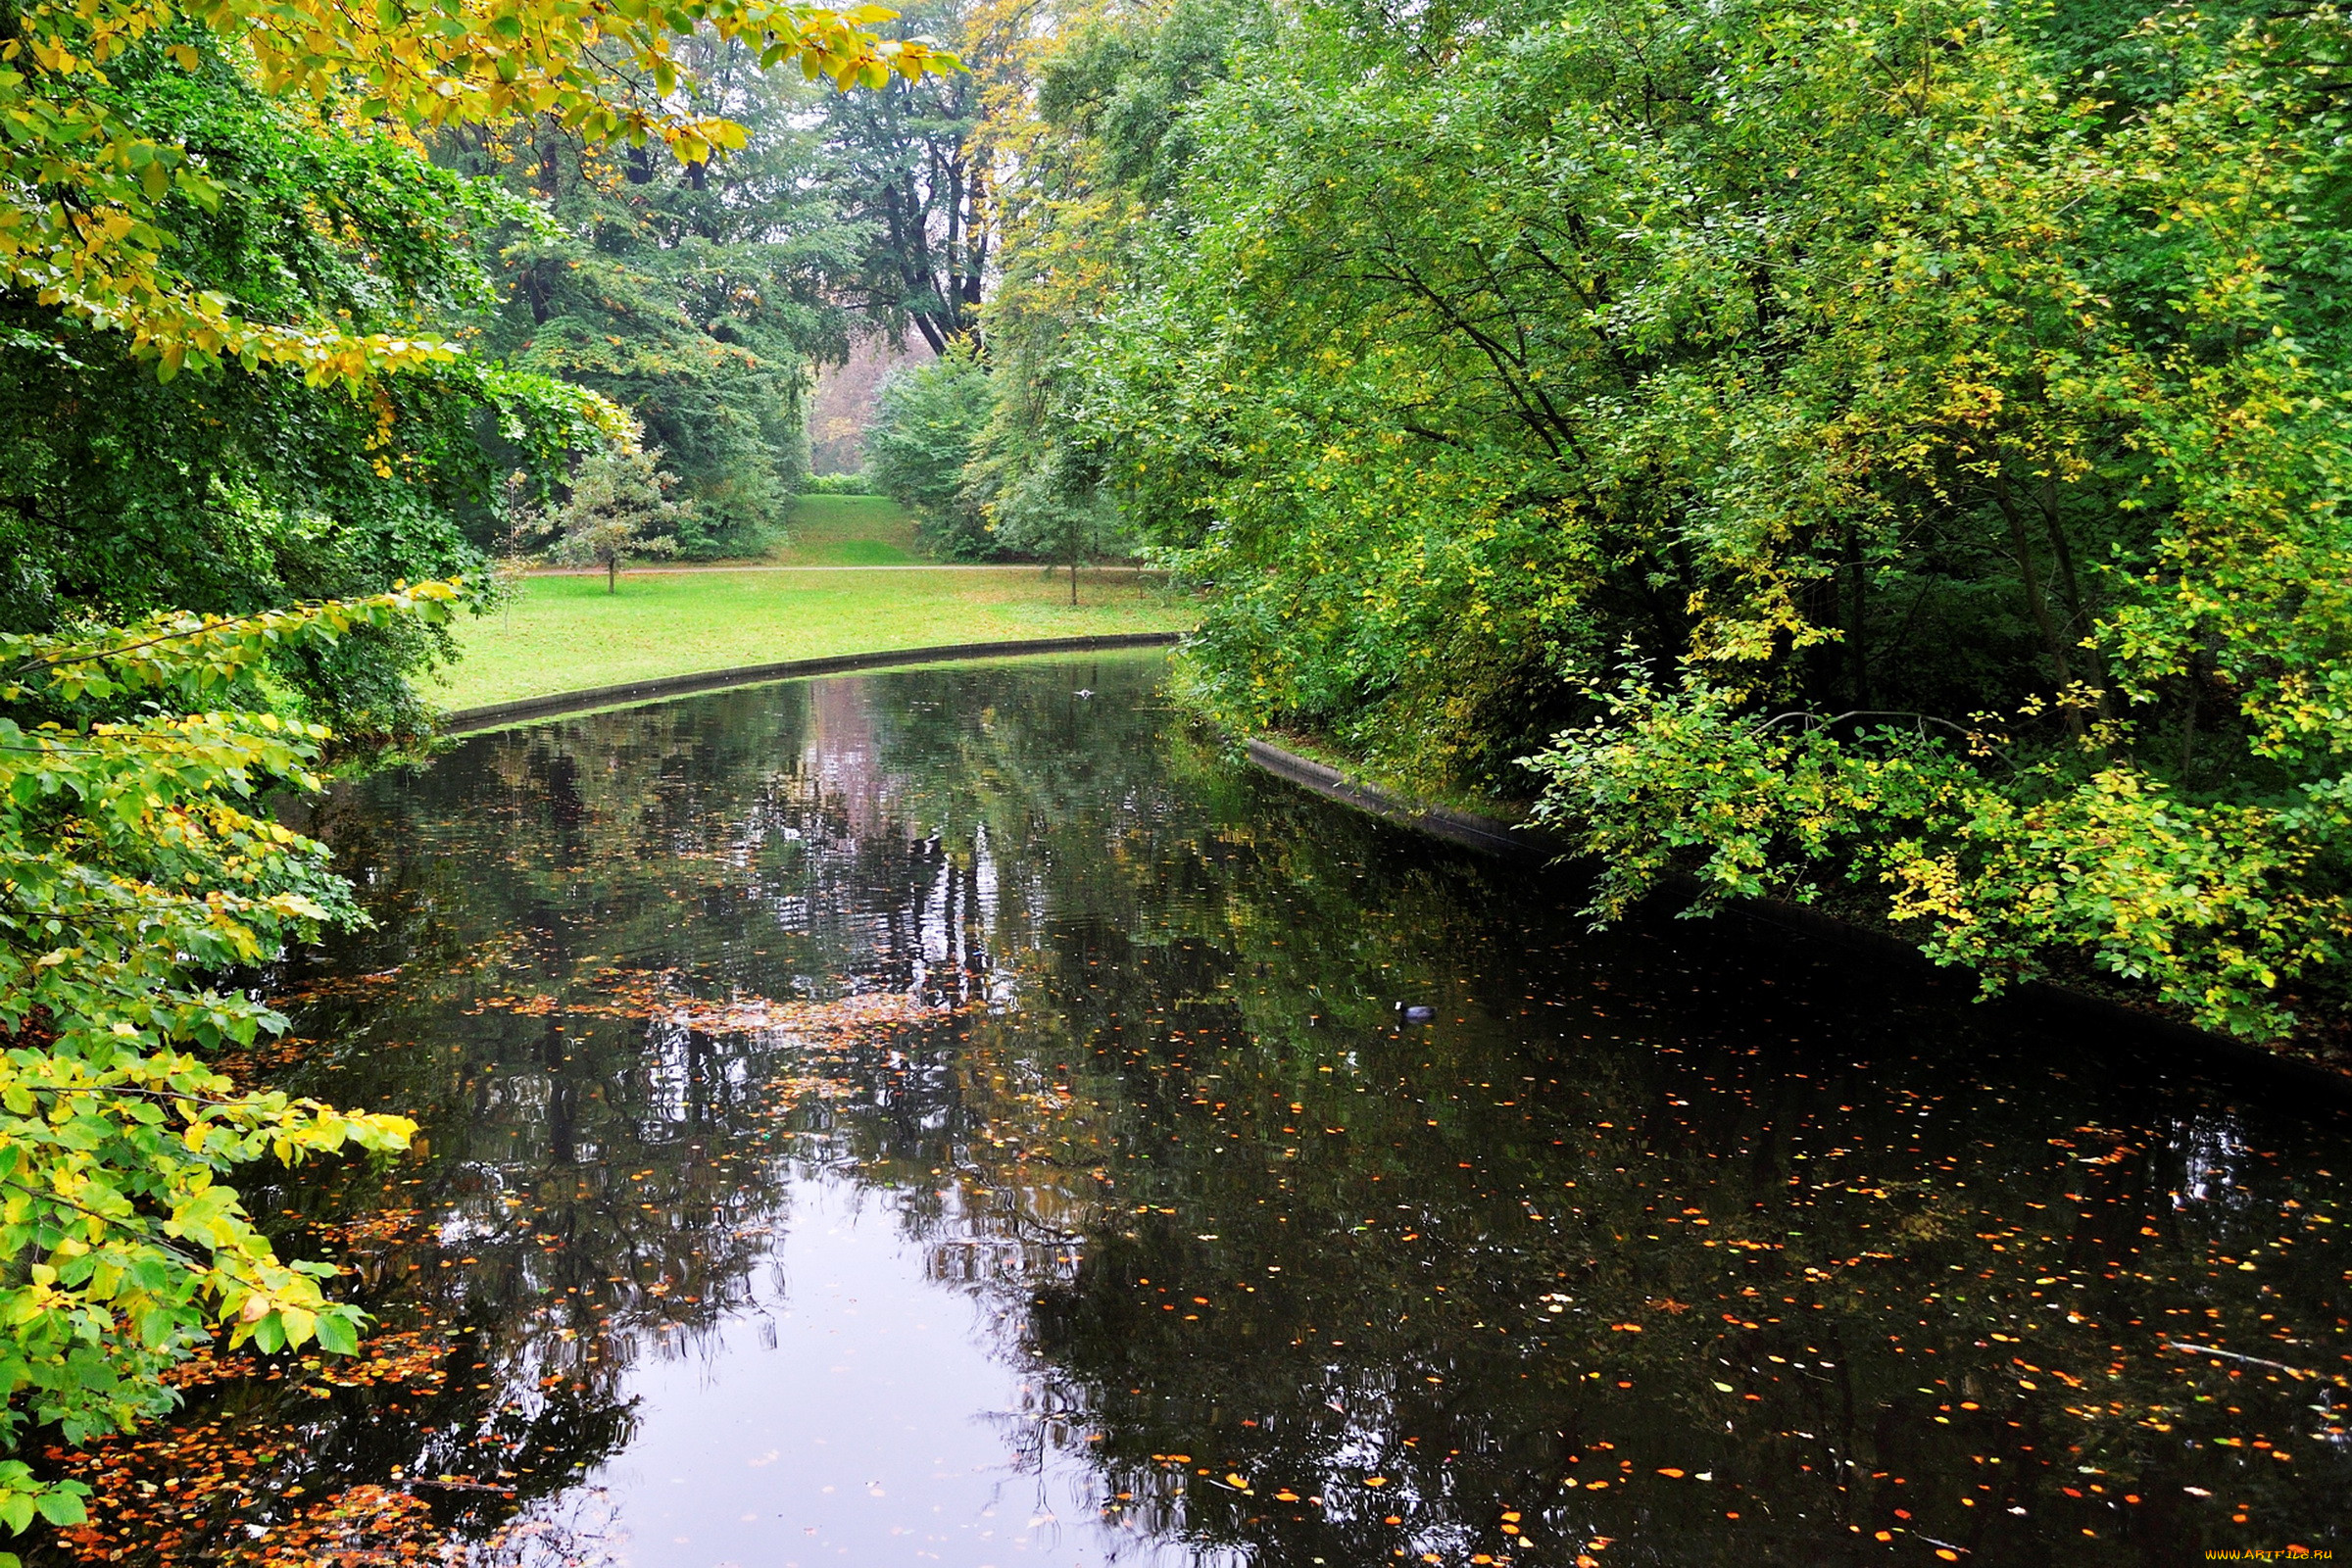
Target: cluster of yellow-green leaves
x,y
1903,447
84,191
2167,801
137,860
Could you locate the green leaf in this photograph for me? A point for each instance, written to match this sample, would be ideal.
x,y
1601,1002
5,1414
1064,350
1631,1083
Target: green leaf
x,y
338,1334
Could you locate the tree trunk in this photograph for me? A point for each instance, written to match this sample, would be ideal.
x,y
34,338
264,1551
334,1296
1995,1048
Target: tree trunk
x,y
2188,729
2053,641
613,575
2078,623
550,162
1856,624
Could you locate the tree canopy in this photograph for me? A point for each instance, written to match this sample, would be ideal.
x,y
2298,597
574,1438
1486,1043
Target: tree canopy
x,y
1889,455
250,446
288,205
692,294
86,220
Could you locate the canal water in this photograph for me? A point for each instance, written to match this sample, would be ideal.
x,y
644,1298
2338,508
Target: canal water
x,y
960,1116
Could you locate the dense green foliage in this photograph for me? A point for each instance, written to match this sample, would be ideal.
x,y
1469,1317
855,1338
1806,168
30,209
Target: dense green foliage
x,y
229,491
926,420
986,479
235,295
1896,447
694,295
459,309
89,184
134,858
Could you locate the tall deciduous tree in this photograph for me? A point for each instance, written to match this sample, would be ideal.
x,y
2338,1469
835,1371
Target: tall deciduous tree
x,y
913,165
86,186
228,491
1895,452
696,295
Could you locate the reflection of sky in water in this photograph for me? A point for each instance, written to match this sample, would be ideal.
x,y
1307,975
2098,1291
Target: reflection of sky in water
x,y
1725,1251
853,1411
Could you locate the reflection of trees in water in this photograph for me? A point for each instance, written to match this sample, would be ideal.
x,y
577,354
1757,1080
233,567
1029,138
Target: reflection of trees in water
x,y
611,1182
1421,1299
1174,1071
577,1527
2212,1151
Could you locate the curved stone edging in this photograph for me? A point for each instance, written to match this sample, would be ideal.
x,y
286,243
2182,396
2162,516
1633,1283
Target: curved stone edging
x,y
472,720
1484,833
1534,847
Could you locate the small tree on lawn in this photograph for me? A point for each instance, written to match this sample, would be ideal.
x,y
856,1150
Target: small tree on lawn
x,y
619,510
526,519
1058,512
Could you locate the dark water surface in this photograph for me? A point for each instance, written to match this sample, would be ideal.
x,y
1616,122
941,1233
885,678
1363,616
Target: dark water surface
x,y
948,1118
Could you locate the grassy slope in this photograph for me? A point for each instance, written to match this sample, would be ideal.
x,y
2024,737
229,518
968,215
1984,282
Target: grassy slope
x,y
566,634
850,532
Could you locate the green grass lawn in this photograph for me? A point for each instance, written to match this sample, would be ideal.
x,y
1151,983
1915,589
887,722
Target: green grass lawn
x,y
850,532
565,634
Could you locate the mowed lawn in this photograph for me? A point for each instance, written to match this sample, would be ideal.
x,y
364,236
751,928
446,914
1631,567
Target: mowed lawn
x,y
565,634
850,532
